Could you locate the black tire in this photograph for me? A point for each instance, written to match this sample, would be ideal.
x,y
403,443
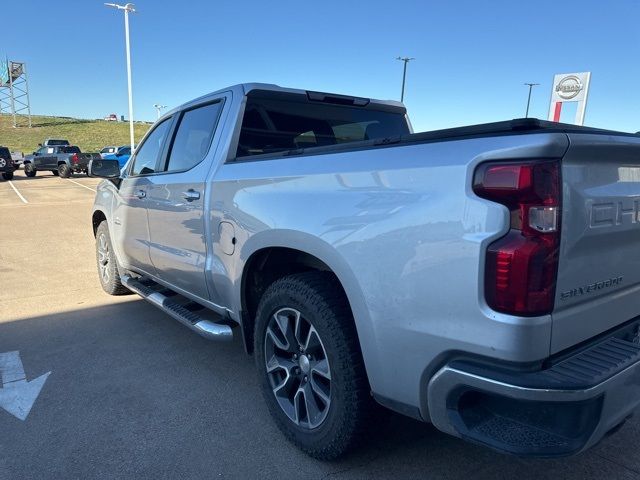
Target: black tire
x,y
55,172
108,273
322,304
7,175
64,171
29,170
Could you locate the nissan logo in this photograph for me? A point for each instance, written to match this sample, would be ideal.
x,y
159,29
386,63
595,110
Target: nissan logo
x,y
569,87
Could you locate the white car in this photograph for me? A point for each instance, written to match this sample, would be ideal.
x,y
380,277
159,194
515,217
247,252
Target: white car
x,y
18,158
108,150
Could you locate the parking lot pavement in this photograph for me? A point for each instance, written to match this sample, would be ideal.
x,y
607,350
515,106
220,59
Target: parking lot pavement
x,y
133,394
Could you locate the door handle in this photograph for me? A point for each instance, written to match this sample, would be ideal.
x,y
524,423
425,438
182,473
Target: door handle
x,y
191,195
140,194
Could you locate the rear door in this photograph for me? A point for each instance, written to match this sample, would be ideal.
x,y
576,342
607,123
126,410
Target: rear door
x,y
176,200
131,230
598,284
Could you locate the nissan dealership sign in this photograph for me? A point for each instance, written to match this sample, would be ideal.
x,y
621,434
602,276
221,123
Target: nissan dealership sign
x,y
569,87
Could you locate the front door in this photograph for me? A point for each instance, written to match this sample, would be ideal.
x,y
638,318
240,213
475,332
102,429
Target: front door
x,y
176,201
131,228
44,158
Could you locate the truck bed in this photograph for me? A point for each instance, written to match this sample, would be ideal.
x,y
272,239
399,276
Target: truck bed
x,y
519,126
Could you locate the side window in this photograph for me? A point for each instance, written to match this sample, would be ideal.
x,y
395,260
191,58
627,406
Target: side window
x,y
193,137
147,155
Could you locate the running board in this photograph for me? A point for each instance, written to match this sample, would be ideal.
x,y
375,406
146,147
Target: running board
x,y
203,327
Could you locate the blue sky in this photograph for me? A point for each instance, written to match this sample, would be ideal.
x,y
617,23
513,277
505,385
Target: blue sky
x,y
472,57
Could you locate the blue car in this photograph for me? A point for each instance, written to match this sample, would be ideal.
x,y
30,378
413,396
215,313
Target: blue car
x,y
122,155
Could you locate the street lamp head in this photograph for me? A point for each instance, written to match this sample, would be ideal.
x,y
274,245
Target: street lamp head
x,y
129,7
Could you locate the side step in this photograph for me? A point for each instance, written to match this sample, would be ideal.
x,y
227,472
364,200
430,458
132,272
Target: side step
x,y
203,327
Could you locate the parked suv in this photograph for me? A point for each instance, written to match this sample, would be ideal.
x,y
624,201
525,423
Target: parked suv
x,y
7,166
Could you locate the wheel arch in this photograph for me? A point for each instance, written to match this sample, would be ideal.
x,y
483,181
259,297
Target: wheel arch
x,y
295,252
96,219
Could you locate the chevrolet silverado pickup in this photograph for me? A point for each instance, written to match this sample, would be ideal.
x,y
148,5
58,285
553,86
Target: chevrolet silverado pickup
x,y
62,160
484,279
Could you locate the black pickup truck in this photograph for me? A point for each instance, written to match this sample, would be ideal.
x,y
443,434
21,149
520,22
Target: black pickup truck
x,y
62,160
7,165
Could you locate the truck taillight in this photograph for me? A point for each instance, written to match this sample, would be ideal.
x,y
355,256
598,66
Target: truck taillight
x,y
74,158
521,267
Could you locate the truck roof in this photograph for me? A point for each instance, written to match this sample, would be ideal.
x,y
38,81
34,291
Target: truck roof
x,y
245,88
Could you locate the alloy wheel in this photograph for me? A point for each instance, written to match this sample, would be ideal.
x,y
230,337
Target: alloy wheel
x,y
103,258
297,368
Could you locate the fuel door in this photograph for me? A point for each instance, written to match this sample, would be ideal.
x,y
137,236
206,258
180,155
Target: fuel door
x,y
227,238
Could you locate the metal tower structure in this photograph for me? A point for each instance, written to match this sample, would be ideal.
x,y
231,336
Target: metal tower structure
x,y
14,92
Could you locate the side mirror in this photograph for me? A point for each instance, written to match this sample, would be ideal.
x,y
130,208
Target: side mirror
x,y
104,169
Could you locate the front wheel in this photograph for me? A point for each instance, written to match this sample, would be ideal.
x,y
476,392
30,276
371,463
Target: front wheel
x,y
107,264
64,171
7,175
30,170
310,366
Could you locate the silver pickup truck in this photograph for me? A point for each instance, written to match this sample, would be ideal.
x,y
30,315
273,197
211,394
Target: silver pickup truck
x,y
485,279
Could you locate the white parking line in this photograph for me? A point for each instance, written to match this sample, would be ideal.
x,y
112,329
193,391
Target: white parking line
x,y
17,192
84,186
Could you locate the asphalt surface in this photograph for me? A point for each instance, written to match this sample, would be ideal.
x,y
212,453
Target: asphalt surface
x,y
133,394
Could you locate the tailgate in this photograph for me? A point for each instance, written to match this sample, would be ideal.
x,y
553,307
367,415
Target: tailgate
x,y
85,158
599,269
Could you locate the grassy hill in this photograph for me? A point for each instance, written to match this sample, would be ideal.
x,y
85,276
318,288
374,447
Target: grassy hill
x,y
89,135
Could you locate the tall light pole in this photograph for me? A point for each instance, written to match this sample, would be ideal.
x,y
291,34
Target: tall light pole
x,y
159,109
128,8
404,73
531,85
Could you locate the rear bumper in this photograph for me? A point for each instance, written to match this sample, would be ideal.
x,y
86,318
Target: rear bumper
x,y
558,411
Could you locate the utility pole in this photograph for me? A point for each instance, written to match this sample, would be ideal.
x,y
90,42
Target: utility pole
x,y
531,85
128,8
404,73
158,108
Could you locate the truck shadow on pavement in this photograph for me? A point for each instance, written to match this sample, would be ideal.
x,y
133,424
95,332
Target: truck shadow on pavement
x,y
132,393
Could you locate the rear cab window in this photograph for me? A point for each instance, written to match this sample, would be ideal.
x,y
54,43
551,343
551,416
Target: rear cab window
x,y
69,150
53,142
278,122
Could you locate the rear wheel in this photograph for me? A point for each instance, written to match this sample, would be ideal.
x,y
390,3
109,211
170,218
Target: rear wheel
x,y
29,170
310,366
7,175
64,171
55,172
107,264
